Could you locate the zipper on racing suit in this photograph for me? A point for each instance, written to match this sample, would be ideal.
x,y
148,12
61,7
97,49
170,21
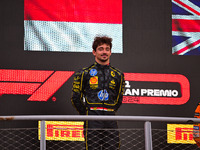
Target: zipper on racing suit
x,y
104,78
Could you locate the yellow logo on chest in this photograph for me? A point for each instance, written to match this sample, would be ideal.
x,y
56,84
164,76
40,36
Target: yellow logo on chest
x,y
112,73
94,80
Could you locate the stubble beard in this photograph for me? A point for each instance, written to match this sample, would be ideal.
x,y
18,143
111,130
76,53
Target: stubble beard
x,y
103,60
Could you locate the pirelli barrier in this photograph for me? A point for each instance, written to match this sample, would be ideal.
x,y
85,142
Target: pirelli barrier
x,y
70,134
180,134
63,130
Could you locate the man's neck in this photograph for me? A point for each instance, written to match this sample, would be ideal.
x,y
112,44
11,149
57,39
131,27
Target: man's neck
x,y
103,63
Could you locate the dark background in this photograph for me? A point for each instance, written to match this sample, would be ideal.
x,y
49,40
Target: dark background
x,y
147,48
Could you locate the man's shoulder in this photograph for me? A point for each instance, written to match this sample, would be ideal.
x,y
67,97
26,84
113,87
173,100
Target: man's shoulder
x,y
116,70
85,69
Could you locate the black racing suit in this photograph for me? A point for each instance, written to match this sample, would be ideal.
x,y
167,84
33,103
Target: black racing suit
x,y
98,90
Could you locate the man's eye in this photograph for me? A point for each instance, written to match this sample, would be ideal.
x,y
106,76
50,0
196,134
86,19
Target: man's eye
x,y
101,49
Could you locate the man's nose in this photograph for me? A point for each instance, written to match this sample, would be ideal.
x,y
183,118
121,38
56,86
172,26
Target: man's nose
x,y
104,50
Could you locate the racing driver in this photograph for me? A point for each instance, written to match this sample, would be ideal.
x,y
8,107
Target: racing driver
x,y
98,90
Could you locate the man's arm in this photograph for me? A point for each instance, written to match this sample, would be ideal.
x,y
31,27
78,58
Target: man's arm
x,y
77,93
120,93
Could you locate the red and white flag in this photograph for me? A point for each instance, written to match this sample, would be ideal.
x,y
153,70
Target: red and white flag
x,y
71,25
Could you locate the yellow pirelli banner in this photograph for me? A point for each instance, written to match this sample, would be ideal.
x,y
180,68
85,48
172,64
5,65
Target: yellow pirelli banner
x,y
63,130
180,133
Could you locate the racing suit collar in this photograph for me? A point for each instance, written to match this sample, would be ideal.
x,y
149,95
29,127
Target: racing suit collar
x,y
101,66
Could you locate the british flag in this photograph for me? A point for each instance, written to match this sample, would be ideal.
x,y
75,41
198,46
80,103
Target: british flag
x,y
186,27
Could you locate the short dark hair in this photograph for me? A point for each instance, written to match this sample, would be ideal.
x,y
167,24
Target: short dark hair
x,y
99,40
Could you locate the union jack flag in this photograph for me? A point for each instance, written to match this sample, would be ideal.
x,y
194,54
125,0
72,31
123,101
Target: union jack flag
x,y
186,27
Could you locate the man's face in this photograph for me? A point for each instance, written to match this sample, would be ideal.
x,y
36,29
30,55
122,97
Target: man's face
x,y
102,53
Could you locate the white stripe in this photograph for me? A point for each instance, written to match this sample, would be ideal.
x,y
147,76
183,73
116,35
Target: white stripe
x,y
68,36
102,109
187,34
190,49
188,17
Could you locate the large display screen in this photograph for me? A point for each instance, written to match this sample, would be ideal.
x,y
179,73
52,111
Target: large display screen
x,y
44,42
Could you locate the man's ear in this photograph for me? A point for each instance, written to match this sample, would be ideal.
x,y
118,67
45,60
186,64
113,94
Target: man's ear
x,y
94,52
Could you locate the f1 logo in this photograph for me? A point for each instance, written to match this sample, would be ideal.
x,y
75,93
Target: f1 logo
x,y
41,85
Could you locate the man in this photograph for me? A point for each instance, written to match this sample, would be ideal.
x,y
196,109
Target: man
x,y
101,86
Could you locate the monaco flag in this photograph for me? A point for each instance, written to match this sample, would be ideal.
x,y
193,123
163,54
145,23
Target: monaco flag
x,y
71,25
